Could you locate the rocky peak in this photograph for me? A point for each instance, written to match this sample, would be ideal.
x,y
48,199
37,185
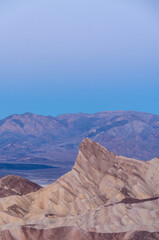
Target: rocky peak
x,y
94,156
104,193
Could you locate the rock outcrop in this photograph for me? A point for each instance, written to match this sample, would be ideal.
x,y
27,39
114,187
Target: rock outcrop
x,y
34,139
15,185
72,233
105,196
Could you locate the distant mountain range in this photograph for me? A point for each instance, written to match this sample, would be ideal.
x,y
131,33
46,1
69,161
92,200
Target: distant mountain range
x,y
30,138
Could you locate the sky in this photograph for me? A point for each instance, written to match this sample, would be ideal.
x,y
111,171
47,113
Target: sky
x,y
59,56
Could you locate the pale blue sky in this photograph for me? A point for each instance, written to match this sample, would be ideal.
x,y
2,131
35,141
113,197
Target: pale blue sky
x,y
60,56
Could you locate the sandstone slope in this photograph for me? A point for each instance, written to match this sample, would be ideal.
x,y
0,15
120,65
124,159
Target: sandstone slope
x,y
103,194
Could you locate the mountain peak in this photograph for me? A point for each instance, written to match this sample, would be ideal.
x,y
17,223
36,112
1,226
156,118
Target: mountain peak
x,y
124,133
103,192
93,155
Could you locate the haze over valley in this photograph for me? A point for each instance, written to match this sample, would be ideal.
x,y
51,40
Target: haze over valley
x,y
43,148
79,120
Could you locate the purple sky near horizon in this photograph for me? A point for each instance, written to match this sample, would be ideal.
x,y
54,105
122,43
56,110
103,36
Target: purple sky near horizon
x,y
70,56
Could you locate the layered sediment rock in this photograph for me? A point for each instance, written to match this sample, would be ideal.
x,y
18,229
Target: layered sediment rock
x,y
15,185
105,196
71,233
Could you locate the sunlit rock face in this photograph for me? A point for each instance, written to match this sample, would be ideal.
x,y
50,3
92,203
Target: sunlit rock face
x,y
104,196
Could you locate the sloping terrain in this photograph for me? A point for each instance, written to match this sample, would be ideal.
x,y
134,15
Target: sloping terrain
x,y
71,233
37,139
15,185
104,196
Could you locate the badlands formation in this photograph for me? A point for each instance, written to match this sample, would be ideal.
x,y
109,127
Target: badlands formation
x,y
104,196
15,185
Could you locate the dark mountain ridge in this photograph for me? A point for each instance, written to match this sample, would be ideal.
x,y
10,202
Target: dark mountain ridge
x,y
29,137
15,185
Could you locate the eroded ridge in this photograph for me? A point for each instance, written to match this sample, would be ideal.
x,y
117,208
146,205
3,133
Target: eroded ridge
x,y
102,194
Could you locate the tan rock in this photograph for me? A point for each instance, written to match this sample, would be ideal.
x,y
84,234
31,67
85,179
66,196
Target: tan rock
x,y
103,193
